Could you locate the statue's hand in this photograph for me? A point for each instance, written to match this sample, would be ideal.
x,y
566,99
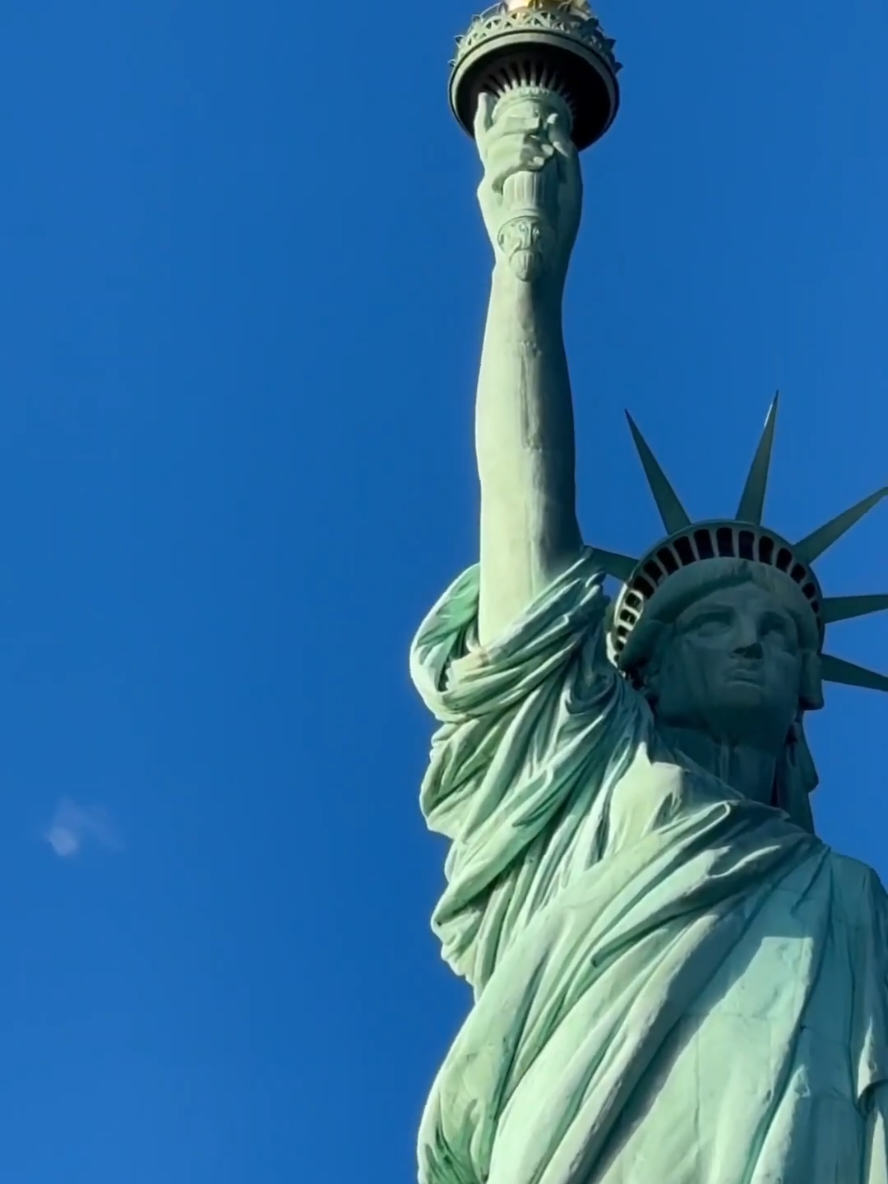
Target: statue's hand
x,y
532,190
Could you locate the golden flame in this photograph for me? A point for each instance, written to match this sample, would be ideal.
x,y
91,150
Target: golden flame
x,y
578,8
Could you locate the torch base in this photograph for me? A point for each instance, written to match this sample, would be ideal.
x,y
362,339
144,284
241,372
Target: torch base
x,y
538,57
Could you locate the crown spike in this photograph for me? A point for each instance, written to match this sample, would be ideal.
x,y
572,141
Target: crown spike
x,y
672,512
851,675
614,564
813,545
843,608
752,500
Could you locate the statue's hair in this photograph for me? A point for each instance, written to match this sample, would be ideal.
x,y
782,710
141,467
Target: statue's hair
x,y
796,774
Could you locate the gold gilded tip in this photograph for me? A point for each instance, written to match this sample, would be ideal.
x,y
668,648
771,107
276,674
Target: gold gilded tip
x,y
578,8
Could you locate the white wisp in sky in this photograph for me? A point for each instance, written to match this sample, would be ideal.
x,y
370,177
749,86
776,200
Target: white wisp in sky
x,y
73,825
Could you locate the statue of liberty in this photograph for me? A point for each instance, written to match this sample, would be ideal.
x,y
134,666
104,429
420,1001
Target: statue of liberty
x,y
675,981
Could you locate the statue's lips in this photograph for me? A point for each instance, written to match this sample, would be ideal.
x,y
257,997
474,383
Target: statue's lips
x,y
751,674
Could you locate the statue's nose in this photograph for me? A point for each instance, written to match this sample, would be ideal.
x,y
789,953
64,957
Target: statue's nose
x,y
750,648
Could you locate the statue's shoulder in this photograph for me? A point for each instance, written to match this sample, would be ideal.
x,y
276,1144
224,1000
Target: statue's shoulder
x,y
859,888
855,871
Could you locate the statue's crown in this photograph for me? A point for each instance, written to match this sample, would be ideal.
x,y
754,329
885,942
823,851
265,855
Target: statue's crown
x,y
741,537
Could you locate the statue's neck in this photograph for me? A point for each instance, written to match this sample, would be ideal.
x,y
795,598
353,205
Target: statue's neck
x,y
748,770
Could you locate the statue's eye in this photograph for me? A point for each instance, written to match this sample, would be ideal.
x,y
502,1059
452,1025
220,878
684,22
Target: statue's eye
x,y
709,624
779,631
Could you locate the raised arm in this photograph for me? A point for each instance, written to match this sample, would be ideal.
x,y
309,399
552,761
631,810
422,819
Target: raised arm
x,y
530,197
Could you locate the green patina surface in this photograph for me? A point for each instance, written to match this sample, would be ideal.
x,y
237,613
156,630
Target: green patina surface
x,y
675,981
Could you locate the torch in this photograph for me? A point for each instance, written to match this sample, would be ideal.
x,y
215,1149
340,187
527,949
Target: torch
x,y
552,51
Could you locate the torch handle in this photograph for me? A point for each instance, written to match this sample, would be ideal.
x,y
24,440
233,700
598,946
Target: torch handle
x,y
530,198
529,192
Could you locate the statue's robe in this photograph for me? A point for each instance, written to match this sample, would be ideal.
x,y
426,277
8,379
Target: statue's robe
x,y
672,984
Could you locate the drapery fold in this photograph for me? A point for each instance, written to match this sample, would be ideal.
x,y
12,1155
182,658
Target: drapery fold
x,y
672,983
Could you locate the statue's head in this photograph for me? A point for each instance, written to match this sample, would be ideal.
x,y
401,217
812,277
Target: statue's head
x,y
722,624
728,647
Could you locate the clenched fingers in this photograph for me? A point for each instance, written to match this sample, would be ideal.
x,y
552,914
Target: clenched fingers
x,y
484,119
515,153
487,129
558,136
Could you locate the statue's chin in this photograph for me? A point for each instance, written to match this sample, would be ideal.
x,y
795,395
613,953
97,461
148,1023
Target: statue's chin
x,y
526,264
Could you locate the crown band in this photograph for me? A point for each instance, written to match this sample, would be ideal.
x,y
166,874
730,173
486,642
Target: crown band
x,y
719,539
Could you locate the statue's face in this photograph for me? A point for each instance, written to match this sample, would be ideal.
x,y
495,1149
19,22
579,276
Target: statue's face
x,y
731,667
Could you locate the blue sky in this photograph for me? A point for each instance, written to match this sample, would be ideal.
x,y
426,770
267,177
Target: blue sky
x,y
242,281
